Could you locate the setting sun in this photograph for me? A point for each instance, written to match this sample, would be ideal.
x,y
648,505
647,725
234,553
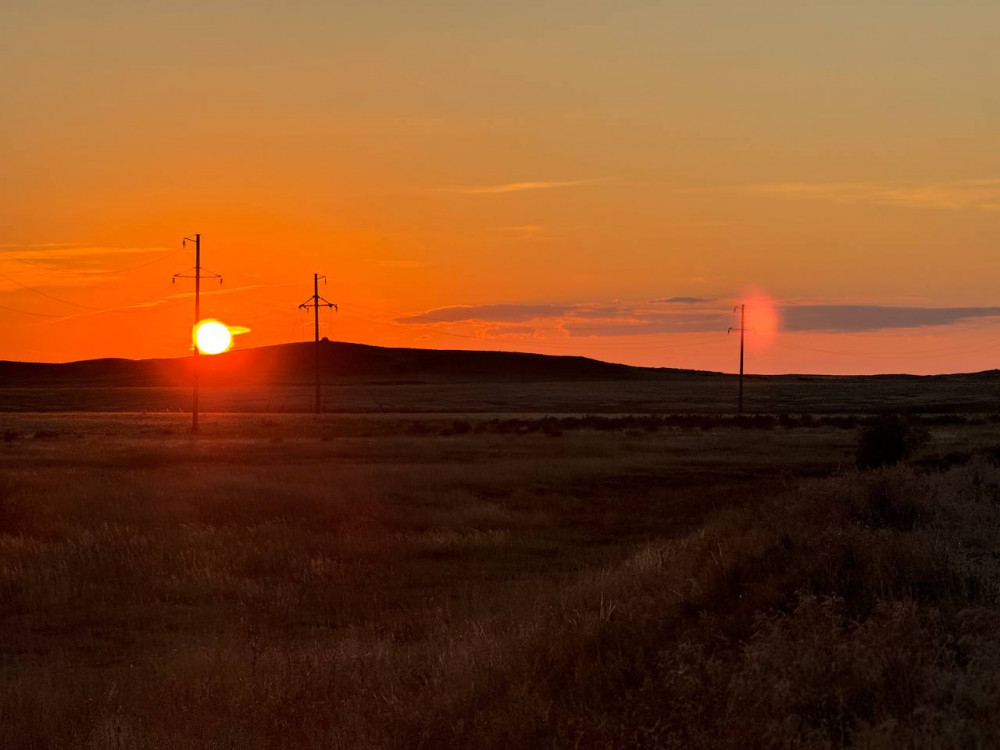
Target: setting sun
x,y
212,337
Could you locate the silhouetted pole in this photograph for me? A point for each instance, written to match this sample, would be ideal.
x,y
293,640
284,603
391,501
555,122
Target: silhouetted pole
x,y
195,367
742,329
315,302
316,340
197,319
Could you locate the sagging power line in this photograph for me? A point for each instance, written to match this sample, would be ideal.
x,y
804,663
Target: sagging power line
x,y
50,296
197,276
316,302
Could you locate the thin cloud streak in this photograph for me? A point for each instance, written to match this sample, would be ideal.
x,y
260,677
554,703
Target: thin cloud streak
x,y
977,194
524,232
675,315
483,313
686,300
38,245
55,265
861,318
61,251
159,301
516,187
400,264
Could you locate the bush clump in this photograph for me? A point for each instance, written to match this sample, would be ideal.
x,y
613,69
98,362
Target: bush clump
x,y
888,440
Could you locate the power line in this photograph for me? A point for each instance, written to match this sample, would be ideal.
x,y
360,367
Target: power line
x,y
70,302
159,259
28,312
51,296
33,263
127,269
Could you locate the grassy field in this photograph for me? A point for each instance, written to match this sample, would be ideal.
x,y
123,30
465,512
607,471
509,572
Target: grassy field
x,y
397,580
670,393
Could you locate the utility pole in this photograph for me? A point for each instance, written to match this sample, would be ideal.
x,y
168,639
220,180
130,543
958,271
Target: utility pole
x,y
742,329
316,302
195,369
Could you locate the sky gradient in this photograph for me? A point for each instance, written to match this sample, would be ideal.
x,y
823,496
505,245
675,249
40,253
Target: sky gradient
x,y
559,177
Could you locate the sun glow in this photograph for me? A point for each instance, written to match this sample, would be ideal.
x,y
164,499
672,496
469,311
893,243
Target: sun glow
x,y
763,320
212,337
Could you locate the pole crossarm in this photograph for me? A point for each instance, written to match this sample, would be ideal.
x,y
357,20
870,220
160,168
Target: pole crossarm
x,y
318,302
196,273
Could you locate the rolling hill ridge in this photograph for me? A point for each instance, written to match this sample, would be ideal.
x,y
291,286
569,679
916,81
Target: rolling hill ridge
x,y
292,364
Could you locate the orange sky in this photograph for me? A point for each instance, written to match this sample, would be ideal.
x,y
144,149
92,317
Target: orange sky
x,y
559,177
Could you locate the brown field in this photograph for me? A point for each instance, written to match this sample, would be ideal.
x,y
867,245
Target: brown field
x,y
669,393
487,580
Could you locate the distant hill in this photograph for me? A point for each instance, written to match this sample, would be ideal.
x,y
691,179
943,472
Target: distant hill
x,y
290,364
365,379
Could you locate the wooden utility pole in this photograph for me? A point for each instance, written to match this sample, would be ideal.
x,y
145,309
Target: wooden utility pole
x,y
197,319
316,302
195,368
742,329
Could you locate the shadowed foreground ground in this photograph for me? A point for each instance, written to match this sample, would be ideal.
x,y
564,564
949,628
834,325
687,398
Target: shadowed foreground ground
x,y
292,581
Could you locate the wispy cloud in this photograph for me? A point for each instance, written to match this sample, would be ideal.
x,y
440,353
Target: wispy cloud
x,y
38,245
505,313
516,187
677,315
978,194
205,293
580,319
65,264
167,299
399,264
857,318
70,251
522,232
685,300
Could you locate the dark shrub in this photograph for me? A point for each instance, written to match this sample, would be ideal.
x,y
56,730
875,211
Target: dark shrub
x,y
884,504
887,440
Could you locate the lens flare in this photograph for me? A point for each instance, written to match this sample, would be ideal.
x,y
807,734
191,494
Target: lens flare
x,y
763,319
212,337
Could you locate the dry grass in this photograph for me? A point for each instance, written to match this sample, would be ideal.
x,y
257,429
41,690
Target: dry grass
x,y
664,589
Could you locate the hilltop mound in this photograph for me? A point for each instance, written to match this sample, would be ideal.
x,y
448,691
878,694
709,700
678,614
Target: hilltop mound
x,y
288,364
